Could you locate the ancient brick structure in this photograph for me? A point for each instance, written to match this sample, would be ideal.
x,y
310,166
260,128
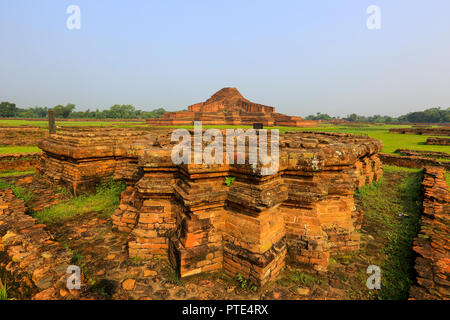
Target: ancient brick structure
x,y
255,225
19,161
251,226
442,131
33,258
21,136
80,157
229,107
438,141
423,153
432,245
411,161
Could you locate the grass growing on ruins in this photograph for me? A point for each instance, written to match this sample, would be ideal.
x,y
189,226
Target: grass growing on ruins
x,y
392,209
18,149
3,291
12,173
20,192
104,201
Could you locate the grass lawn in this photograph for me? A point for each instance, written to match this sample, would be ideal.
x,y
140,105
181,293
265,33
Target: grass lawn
x,y
391,141
18,149
104,201
397,193
12,173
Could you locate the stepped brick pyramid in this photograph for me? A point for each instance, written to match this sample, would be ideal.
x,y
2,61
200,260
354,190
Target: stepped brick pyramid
x,y
188,213
229,107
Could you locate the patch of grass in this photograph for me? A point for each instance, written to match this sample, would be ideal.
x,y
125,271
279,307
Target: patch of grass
x,y
20,192
18,149
104,201
383,203
171,273
229,181
292,277
246,284
391,141
3,291
11,173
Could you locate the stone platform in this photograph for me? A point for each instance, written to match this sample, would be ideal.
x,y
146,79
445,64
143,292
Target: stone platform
x,y
252,226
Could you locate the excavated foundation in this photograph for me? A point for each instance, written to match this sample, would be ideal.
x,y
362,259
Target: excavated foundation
x,y
252,226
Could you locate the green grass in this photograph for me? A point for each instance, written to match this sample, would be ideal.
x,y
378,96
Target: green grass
x,y
12,173
382,203
3,291
104,201
20,192
391,141
18,149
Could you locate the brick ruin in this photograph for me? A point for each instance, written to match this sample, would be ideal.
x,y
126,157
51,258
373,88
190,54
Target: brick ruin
x,y
438,141
21,136
412,161
253,226
81,157
432,245
19,161
229,107
441,131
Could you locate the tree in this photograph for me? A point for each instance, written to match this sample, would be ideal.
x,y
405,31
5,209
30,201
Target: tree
x,y
63,111
8,110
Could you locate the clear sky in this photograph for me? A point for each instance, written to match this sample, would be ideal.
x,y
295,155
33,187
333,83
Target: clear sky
x,y
302,57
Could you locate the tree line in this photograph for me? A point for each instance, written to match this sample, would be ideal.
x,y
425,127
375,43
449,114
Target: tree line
x,y
10,110
432,115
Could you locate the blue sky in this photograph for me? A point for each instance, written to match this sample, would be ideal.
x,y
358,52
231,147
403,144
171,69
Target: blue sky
x,y
302,57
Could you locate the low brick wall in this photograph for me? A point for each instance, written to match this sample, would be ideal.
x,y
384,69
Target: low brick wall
x,y
438,141
19,161
442,131
432,244
33,258
22,136
422,153
411,161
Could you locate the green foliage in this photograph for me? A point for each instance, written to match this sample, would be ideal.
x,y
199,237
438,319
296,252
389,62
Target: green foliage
x,y
18,149
11,173
20,192
8,110
63,111
384,204
432,115
3,291
229,181
245,284
104,201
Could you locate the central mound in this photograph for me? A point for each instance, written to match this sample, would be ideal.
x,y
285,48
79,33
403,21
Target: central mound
x,y
228,107
227,96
